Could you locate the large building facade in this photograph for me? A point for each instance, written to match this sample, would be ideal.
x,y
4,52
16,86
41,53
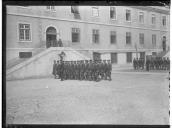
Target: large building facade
x,y
118,33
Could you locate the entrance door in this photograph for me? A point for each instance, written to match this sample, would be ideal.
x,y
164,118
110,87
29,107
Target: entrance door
x,y
96,56
50,36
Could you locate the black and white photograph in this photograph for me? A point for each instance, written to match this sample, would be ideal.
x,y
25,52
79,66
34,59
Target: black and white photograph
x,y
87,64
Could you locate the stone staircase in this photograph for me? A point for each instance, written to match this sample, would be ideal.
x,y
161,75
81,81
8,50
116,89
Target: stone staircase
x,y
41,63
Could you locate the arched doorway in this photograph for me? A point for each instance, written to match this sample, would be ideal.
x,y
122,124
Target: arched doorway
x,y
164,43
50,36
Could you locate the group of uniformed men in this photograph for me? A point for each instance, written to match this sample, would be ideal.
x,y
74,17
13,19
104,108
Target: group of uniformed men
x,y
83,70
157,63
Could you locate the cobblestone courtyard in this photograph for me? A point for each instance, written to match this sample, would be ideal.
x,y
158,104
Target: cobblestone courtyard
x,y
129,98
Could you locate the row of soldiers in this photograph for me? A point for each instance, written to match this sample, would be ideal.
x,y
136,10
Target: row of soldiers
x,y
157,63
82,70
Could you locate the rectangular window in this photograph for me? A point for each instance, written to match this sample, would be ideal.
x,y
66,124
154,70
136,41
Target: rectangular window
x,y
95,11
75,9
128,15
75,35
129,57
96,56
142,55
112,12
95,36
164,20
154,40
24,32
114,58
141,17
50,8
141,38
128,37
113,37
154,53
25,54
153,19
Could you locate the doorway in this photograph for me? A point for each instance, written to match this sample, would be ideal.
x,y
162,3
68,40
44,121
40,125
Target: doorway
x,y
50,37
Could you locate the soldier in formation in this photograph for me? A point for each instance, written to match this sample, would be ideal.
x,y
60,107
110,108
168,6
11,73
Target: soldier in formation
x,y
138,63
82,70
157,63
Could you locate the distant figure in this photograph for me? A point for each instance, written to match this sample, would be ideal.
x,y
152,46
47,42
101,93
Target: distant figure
x,y
60,44
55,69
147,64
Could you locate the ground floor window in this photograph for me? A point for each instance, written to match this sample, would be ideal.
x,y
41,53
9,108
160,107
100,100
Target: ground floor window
x,y
129,57
24,32
154,53
114,58
96,56
25,54
142,55
75,35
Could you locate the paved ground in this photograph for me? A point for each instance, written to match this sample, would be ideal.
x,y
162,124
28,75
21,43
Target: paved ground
x,y
127,99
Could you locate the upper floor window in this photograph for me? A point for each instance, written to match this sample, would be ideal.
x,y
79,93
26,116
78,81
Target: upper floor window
x,y
75,9
153,19
50,7
164,20
95,36
113,37
112,12
75,35
95,11
24,32
141,38
128,15
141,17
128,37
154,40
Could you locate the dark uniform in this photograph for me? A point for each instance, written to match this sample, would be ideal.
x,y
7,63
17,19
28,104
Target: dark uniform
x,y
147,64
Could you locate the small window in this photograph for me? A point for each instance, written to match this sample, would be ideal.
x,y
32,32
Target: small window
x,y
164,20
154,40
128,15
129,57
114,58
95,36
154,53
112,12
95,11
25,54
141,38
141,17
24,32
75,9
75,35
113,37
153,19
128,37
50,7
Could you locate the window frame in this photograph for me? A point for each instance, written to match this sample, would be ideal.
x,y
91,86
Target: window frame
x,y
126,15
115,18
18,32
130,38
115,38
79,34
153,15
143,17
140,38
127,57
116,62
154,44
94,35
53,10
165,20
97,10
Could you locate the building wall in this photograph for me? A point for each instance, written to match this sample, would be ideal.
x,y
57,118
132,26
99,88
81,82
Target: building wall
x,y
40,19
